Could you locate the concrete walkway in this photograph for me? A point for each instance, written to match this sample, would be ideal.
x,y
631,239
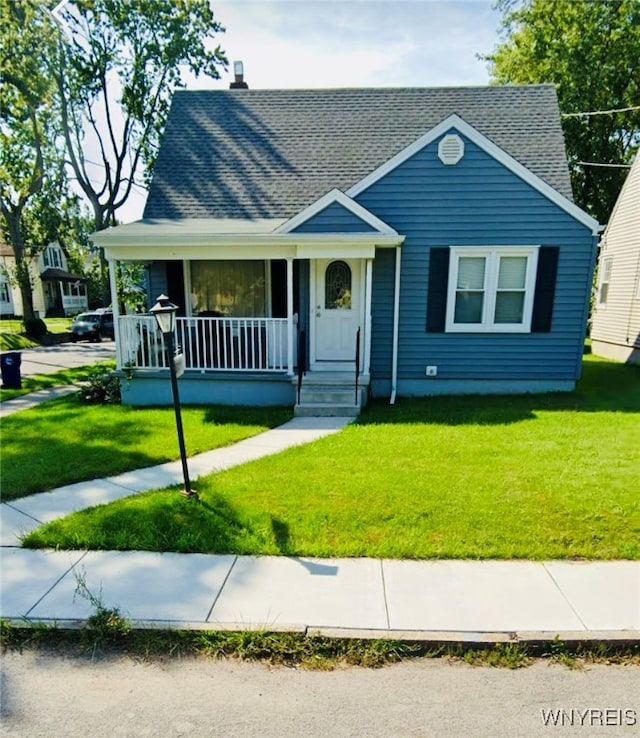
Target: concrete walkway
x,y
425,600
25,402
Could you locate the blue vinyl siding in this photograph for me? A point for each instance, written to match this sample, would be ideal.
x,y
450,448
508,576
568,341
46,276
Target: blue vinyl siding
x,y
303,316
477,202
335,218
157,281
230,389
382,312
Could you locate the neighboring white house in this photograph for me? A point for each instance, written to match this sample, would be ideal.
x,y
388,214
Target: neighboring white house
x,y
615,329
55,290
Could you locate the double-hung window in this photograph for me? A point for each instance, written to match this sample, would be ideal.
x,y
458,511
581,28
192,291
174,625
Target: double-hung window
x,y
491,289
53,257
604,278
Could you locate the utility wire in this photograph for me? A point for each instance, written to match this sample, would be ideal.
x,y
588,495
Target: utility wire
x,y
599,164
600,112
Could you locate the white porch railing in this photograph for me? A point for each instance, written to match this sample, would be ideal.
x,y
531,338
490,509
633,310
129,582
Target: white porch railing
x,y
208,344
75,303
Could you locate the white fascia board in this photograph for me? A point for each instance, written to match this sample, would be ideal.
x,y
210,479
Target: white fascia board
x,y
272,246
193,230
337,196
501,156
382,240
203,252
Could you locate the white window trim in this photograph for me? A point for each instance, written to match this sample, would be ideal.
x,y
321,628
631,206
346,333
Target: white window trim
x,y
492,254
53,257
5,291
607,261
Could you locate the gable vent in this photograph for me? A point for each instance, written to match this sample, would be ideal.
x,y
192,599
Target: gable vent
x,y
450,149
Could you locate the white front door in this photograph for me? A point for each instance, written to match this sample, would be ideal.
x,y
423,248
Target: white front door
x,y
337,308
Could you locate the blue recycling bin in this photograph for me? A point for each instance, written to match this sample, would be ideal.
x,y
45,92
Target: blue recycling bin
x,y
10,367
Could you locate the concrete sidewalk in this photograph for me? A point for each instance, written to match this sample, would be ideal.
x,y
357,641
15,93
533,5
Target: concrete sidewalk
x,y
426,600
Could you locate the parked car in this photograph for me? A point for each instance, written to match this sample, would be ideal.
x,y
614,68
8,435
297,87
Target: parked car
x,y
93,326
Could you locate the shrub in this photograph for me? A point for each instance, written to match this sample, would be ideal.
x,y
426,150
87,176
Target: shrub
x,y
35,328
102,388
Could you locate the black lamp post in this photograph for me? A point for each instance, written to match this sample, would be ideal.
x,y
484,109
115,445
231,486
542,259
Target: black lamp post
x,y
165,314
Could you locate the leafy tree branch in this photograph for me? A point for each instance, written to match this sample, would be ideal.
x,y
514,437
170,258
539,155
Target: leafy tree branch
x,y
591,51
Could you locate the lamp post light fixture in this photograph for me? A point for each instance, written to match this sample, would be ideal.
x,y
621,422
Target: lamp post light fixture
x,y
165,314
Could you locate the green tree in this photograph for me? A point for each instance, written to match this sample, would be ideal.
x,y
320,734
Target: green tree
x,y
32,177
119,67
590,49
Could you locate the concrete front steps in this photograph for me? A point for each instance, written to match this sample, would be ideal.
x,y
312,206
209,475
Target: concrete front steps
x,y
331,394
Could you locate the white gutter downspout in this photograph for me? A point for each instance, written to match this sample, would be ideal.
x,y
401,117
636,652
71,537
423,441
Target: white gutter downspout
x,y
396,322
116,311
366,368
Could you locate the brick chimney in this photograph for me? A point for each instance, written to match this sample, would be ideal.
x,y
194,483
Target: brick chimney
x,y
238,71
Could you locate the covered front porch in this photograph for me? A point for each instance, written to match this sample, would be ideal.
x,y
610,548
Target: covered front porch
x,y
64,293
262,309
317,354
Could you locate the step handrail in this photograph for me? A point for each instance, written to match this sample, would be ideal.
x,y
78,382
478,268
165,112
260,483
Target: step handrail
x,y
357,362
302,358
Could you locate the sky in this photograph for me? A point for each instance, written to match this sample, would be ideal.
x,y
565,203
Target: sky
x,y
350,43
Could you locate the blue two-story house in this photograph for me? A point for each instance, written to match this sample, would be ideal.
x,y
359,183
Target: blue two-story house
x,y
402,242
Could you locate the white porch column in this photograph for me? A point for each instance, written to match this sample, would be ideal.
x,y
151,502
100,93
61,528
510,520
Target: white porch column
x,y
116,311
367,316
290,316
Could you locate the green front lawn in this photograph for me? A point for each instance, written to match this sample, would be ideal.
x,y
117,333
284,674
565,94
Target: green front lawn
x,y
56,379
64,441
537,476
13,338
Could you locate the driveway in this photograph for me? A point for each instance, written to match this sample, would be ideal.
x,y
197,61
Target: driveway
x,y
49,359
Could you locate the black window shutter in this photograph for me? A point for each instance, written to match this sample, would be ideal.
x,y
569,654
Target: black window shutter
x,y
438,286
545,289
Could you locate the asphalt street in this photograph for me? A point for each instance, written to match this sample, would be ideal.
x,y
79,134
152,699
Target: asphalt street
x,y
49,359
54,697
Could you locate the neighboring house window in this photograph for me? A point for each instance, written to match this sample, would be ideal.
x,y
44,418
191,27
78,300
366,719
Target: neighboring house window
x,y
231,288
604,279
53,257
491,289
5,295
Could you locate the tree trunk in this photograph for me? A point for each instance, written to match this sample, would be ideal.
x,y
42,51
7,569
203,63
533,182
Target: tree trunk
x,y
26,291
22,263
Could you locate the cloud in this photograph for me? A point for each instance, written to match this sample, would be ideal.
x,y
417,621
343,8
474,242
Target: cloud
x,y
326,43
351,43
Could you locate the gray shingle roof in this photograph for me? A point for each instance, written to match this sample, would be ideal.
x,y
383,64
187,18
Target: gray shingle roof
x,y
270,153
